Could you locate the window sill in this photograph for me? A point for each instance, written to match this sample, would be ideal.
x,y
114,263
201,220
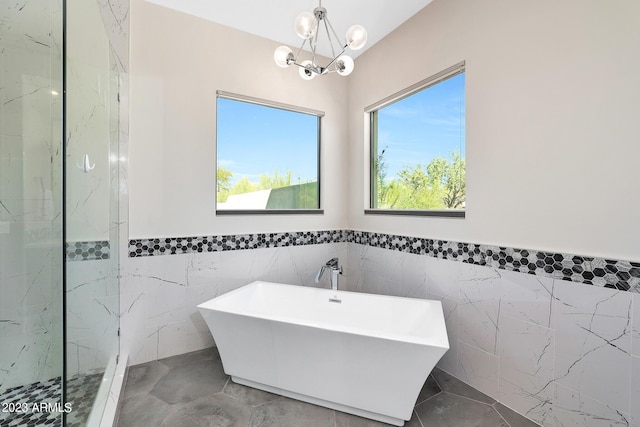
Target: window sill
x,y
409,212
228,212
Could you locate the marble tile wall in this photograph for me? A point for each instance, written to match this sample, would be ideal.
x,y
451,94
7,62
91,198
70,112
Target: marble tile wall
x,y
115,17
30,183
602,272
91,121
92,315
561,353
159,294
30,205
555,346
98,124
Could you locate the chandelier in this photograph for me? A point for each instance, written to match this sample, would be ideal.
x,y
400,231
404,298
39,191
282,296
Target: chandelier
x,y
308,26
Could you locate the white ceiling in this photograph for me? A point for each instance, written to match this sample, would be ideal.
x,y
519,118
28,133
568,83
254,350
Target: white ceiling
x,y
273,19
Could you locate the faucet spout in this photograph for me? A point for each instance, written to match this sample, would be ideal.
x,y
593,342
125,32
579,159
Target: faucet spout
x,y
336,270
320,273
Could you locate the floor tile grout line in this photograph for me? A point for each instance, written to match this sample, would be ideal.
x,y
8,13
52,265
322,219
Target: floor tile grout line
x,y
225,386
436,380
418,416
333,420
522,415
499,414
429,398
456,394
472,399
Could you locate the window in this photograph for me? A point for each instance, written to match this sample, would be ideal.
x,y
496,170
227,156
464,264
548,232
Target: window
x,y
418,148
267,157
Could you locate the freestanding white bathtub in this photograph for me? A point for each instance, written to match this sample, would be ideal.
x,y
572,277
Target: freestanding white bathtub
x,y
364,354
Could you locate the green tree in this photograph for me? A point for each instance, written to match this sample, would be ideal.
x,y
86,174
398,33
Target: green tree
x,y
422,186
243,185
438,185
276,180
387,193
223,178
455,182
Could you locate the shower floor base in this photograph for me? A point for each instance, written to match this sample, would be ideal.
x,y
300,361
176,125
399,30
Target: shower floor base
x,y
21,406
18,404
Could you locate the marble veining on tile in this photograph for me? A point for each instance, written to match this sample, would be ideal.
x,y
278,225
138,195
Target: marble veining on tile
x,y
615,274
115,15
557,351
593,343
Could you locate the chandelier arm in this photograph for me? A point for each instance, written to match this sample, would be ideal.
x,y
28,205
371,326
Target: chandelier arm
x,y
315,43
335,58
336,36
300,50
327,24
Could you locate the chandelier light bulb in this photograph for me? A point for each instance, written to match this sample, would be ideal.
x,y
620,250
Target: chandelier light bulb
x,y
356,37
283,56
344,65
305,70
306,25
309,26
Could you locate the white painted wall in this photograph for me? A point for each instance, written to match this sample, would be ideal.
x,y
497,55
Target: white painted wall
x,y
552,111
177,64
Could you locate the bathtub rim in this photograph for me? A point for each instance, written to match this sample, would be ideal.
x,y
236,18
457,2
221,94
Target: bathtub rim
x,y
432,341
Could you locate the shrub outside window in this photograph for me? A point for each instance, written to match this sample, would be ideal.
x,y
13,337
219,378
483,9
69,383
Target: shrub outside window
x,y
267,157
418,148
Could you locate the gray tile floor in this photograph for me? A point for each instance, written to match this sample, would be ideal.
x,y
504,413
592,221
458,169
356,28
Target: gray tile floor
x,y
192,390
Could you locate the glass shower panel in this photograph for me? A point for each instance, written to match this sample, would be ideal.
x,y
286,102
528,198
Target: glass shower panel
x,y
91,182
30,209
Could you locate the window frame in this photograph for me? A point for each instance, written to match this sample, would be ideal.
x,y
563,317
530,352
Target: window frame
x,y
281,106
371,112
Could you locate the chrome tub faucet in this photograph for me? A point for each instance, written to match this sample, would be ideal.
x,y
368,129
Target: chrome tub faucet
x,y
336,269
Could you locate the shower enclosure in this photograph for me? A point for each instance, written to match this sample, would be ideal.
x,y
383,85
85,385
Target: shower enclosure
x,y
59,189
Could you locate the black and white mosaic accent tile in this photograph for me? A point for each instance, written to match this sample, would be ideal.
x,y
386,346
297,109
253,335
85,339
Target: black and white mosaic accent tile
x,y
81,393
87,251
21,405
184,245
615,274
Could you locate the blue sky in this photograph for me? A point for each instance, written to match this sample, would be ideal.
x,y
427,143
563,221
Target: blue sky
x,y
252,138
427,124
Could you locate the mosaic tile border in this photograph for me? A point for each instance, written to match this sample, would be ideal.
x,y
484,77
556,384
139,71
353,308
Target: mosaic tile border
x,y
185,245
615,274
87,251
